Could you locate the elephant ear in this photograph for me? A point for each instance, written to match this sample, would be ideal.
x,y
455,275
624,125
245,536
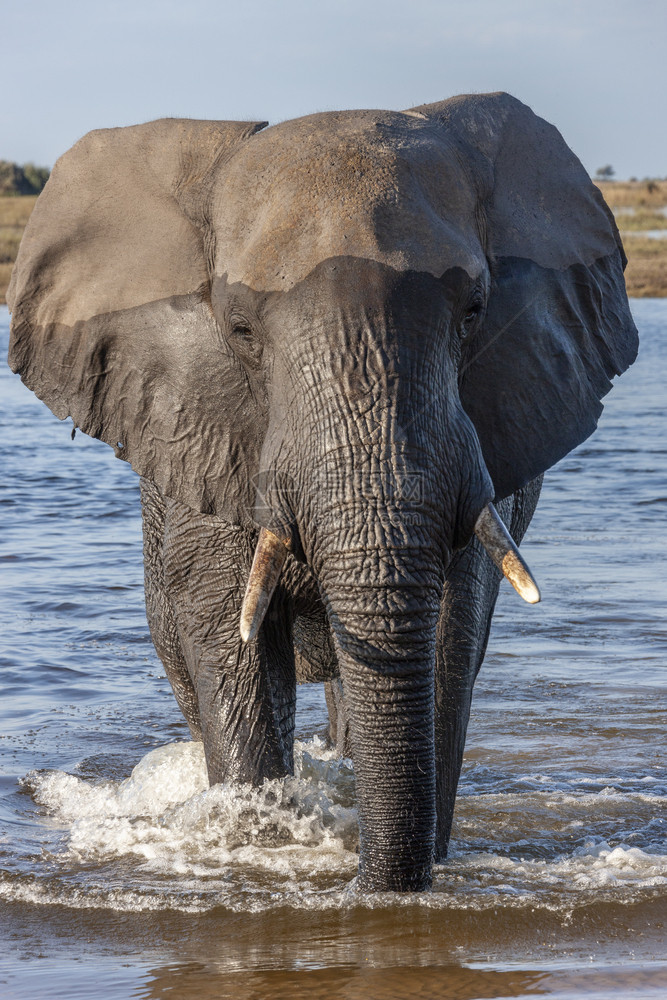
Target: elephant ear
x,y
557,326
112,322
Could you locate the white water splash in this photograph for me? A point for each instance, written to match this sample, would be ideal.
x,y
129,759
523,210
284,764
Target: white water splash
x,y
175,843
166,815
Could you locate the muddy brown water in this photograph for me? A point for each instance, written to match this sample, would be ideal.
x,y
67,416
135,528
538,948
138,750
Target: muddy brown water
x,y
123,875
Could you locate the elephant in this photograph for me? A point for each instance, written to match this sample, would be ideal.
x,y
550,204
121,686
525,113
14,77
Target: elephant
x,y
340,352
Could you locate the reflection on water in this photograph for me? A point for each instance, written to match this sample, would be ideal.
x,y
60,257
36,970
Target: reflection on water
x,y
423,982
120,871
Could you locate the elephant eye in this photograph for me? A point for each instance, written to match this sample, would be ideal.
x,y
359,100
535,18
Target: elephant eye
x,y
242,332
244,342
470,318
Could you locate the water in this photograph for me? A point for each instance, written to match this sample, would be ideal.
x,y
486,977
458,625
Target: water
x,y
123,875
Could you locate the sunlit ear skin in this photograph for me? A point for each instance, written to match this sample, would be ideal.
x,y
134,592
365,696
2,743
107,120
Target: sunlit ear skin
x,y
112,322
500,546
111,316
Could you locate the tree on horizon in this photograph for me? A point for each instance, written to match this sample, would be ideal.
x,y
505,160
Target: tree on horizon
x,y
22,179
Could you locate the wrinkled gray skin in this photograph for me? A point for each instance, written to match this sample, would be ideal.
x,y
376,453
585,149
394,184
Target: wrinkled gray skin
x,y
354,329
195,569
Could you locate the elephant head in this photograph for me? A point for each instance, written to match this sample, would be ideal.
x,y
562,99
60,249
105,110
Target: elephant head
x,y
353,330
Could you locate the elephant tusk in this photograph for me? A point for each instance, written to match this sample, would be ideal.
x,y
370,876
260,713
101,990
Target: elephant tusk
x,y
267,563
500,546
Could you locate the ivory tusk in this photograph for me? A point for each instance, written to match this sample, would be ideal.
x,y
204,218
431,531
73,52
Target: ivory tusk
x,y
498,542
267,563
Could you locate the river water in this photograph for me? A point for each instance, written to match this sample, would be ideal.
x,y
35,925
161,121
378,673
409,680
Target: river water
x,y
123,875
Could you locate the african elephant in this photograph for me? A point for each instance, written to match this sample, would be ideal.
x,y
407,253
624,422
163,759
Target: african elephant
x,y
343,335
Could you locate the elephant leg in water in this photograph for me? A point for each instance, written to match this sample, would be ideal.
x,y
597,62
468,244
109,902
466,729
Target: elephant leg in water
x,y
239,698
466,611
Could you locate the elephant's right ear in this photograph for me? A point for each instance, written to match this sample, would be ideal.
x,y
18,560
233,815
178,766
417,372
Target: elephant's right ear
x,y
112,323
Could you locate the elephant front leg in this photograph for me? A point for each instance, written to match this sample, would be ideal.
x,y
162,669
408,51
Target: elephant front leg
x,y
159,610
463,629
467,608
246,692
247,713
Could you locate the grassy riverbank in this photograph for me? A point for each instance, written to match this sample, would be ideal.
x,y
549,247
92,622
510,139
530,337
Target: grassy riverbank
x,y
14,213
639,207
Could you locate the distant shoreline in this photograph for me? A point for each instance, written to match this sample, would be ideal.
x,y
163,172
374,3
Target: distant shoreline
x,y
640,209
14,213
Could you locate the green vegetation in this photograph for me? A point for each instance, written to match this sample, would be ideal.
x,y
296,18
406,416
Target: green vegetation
x,y
16,180
19,187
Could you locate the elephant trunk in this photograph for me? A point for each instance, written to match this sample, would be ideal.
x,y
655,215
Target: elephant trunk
x,y
384,631
373,474
381,576
379,549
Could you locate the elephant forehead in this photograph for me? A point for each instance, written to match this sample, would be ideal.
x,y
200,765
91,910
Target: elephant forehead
x,y
375,185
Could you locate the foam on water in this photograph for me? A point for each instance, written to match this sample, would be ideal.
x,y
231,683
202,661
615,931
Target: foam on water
x,y
174,843
166,815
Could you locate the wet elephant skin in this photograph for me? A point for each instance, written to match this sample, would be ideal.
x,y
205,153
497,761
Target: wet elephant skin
x,y
355,330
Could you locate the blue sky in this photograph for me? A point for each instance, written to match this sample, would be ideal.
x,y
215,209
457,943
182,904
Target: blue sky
x,y
596,69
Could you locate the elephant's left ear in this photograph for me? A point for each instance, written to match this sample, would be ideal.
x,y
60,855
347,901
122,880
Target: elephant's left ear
x,y
558,325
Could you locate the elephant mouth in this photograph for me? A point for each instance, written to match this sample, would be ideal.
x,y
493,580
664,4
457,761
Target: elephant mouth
x,y
271,552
